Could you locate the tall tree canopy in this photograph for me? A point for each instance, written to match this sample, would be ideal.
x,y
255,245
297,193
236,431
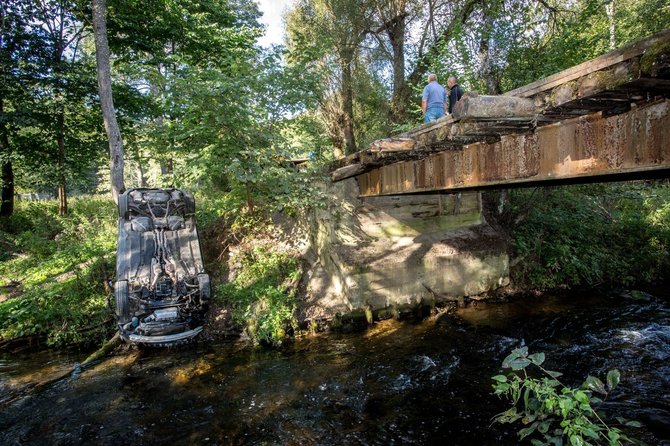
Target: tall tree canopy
x,y
199,103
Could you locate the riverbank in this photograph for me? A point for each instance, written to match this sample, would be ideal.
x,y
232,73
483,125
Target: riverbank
x,y
54,271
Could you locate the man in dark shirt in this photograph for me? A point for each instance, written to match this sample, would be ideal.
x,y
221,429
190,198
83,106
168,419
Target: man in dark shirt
x,y
455,92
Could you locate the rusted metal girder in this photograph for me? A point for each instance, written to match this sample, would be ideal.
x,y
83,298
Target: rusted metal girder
x,y
634,144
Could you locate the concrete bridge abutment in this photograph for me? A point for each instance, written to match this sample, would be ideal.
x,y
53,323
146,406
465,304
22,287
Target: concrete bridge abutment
x,y
400,252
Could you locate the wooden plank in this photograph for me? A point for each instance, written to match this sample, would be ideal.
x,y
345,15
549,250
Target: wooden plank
x,y
474,106
347,172
393,145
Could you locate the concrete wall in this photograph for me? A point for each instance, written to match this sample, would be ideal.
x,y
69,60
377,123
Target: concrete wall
x,y
398,251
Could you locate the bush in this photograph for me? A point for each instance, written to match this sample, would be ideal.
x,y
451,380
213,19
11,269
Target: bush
x,y
260,297
616,234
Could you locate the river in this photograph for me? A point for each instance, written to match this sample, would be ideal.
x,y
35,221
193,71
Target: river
x,y
404,383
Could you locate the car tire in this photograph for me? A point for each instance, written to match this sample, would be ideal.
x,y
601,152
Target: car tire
x,y
189,203
123,206
205,287
122,301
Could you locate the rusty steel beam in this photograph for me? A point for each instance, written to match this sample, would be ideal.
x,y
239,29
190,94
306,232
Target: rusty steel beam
x,y
635,144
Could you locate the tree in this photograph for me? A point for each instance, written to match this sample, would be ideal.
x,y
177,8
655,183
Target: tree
x,y
106,101
16,50
7,174
332,30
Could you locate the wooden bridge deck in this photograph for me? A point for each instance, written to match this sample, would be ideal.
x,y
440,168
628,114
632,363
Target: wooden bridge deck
x,y
605,119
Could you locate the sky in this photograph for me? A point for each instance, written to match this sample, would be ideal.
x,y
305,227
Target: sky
x,y
272,12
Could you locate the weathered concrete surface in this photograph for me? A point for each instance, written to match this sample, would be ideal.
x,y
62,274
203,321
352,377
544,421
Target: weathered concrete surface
x,y
397,251
481,107
635,144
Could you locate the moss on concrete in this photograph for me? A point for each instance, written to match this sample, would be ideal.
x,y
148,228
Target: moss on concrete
x,y
655,54
420,226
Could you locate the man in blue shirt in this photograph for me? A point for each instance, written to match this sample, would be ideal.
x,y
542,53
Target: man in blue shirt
x,y
434,101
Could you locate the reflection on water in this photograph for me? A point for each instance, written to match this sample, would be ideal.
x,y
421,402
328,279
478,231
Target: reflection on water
x,y
397,383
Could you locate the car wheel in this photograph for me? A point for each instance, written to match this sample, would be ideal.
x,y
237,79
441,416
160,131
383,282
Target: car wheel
x,y
122,301
204,286
189,203
123,206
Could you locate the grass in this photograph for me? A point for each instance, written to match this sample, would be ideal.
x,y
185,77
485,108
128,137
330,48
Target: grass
x,y
52,272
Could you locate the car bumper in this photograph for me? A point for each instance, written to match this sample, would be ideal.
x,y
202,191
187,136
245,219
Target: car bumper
x,y
165,339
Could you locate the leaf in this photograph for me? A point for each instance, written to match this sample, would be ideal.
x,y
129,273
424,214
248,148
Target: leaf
x,y
499,378
537,358
544,427
501,388
613,435
508,359
589,432
519,364
576,440
558,439
613,378
581,397
523,433
595,384
509,416
530,418
633,423
554,374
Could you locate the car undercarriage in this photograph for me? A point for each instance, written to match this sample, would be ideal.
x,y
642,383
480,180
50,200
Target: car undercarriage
x,y
162,292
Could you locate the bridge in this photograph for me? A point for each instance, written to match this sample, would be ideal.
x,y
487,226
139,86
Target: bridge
x,y
606,119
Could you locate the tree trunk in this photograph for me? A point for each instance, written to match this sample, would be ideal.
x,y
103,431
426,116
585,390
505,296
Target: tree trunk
x,y
142,180
396,33
7,196
250,198
486,71
62,184
348,106
106,102
610,8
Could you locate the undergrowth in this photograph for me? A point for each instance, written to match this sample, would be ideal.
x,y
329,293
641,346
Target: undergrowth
x,y
610,234
260,295
52,272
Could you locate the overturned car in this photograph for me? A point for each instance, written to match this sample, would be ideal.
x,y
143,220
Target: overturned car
x,y
162,291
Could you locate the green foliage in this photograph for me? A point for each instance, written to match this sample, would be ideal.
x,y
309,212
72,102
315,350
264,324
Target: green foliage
x,y
575,34
48,91
52,272
553,412
617,234
259,296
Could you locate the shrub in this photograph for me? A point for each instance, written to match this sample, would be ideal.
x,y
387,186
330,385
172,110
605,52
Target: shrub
x,y
553,411
259,296
615,234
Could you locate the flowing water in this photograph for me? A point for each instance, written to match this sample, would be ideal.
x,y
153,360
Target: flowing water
x,y
397,383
